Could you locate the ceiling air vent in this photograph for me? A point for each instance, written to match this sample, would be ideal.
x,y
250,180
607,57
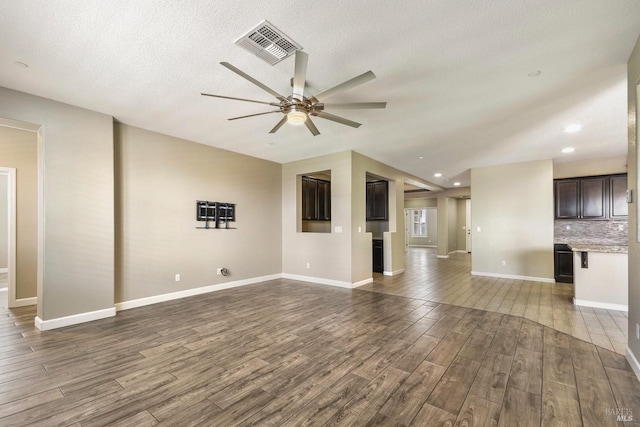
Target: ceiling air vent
x,y
269,43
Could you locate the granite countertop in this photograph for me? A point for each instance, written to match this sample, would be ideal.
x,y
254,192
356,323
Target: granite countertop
x,y
610,249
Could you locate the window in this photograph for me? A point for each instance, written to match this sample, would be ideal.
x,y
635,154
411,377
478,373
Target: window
x,y
419,223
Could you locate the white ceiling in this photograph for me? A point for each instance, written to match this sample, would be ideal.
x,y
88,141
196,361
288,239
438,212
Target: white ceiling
x,y
454,74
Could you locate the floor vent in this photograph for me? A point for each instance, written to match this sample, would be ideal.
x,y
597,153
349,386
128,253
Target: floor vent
x,y
268,43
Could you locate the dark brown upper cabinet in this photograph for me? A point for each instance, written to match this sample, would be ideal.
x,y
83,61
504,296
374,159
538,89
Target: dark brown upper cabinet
x,y
619,207
591,198
567,195
316,199
377,201
594,200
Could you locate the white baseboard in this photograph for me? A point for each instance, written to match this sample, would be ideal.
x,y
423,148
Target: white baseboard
x,y
362,282
514,276
635,365
605,305
393,273
60,322
141,302
442,256
4,270
318,280
23,302
423,246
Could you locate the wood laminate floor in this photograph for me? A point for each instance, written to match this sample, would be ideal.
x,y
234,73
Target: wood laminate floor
x,y
286,353
450,281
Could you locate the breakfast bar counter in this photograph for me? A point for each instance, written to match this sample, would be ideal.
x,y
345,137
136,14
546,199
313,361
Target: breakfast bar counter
x,y
601,277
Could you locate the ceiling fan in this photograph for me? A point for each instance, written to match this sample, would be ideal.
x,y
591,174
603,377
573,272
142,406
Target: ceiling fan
x,y
297,108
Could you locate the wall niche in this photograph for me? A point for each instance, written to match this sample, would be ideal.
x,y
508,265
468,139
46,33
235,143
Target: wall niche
x,y
314,202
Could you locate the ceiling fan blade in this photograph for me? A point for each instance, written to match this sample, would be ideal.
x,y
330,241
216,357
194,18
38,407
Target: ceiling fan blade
x,y
252,80
356,105
253,115
338,119
349,84
275,104
279,125
312,127
300,75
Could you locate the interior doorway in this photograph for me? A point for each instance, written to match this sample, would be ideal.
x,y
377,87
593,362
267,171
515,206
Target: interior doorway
x,y
20,150
8,231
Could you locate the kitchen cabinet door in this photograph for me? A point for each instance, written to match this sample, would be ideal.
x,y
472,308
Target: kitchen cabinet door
x,y
563,257
309,198
619,208
324,200
377,201
567,193
378,256
594,198
316,199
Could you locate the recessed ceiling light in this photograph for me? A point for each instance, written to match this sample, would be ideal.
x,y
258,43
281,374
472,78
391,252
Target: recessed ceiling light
x,y
437,175
535,73
568,150
21,64
572,128
421,157
456,183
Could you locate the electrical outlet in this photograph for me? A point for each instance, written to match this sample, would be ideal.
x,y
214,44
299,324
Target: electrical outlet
x,y
620,227
504,263
637,331
177,277
308,265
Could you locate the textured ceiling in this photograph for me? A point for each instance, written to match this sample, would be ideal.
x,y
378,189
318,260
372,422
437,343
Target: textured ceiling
x,y
454,74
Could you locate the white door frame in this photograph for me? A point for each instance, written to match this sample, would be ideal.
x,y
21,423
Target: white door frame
x,y
468,220
10,173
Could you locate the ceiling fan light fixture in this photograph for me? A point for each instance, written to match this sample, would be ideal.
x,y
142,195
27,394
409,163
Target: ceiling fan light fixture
x,y
296,116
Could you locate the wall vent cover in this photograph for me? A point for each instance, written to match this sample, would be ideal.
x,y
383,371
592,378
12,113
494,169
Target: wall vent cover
x,y
268,43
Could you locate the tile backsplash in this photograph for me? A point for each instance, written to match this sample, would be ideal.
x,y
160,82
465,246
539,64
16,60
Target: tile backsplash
x,y
591,232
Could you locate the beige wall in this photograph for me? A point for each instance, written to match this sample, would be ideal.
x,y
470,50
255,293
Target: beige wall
x,y
18,150
342,257
513,205
4,226
77,187
634,247
394,238
327,254
159,180
588,167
